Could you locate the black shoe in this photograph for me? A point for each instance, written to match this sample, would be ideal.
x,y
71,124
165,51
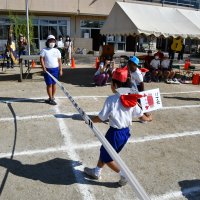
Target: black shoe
x,y
52,102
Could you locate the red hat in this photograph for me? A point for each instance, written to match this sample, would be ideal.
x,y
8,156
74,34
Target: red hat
x,y
120,74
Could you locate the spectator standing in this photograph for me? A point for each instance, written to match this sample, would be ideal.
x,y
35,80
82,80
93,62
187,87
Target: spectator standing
x,y
60,45
181,52
50,59
22,44
68,50
169,48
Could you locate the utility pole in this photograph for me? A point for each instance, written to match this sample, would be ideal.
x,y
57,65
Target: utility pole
x,y
27,24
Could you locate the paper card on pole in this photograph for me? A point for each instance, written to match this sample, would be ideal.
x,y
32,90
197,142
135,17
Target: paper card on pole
x,y
151,100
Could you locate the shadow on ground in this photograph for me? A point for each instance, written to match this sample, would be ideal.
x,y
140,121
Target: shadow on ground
x,y
24,100
79,76
190,189
56,171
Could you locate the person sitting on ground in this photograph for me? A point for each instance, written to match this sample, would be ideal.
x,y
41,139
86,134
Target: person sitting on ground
x,y
50,59
155,71
103,73
168,73
119,110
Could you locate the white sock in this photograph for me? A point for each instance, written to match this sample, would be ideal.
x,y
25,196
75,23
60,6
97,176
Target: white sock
x,y
98,171
121,173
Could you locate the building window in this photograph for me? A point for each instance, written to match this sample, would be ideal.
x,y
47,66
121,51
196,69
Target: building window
x,y
54,27
87,25
4,32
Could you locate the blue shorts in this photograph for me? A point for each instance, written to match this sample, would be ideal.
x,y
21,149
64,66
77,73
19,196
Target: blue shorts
x,y
117,138
54,72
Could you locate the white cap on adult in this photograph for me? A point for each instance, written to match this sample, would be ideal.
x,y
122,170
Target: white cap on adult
x,y
51,37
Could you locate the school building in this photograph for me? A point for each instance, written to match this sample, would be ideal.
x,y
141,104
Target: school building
x,y
81,19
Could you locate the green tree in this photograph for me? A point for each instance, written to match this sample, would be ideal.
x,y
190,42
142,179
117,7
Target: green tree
x,y
20,27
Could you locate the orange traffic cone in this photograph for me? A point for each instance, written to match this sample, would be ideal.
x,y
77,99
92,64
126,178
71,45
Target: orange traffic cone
x,y
73,63
33,64
97,63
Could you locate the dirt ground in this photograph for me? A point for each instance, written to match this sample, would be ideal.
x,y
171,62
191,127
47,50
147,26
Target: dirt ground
x,y
44,148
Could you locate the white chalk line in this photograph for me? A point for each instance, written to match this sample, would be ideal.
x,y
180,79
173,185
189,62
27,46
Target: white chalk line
x,y
70,114
84,189
141,139
97,144
60,115
82,97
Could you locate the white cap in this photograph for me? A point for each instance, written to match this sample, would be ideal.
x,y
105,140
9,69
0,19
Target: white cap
x,y
51,37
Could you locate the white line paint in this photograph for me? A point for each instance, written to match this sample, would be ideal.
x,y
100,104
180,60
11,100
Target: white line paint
x,y
97,144
30,117
81,97
179,107
84,189
142,139
186,92
35,152
70,114
177,194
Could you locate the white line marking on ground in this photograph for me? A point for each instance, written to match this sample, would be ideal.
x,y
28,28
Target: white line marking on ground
x,y
97,144
142,139
30,117
34,152
84,189
80,97
180,107
177,194
186,92
88,113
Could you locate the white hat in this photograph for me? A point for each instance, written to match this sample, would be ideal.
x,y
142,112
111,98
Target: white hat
x,y
51,37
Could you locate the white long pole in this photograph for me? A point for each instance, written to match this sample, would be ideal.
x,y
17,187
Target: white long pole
x,y
27,24
140,192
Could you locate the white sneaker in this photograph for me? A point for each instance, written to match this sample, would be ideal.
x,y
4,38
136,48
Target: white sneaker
x,y
91,173
122,181
175,81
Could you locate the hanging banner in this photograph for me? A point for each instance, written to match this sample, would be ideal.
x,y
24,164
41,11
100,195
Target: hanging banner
x,y
151,100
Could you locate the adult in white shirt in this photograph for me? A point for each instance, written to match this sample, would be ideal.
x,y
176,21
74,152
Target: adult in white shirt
x,y
68,49
50,59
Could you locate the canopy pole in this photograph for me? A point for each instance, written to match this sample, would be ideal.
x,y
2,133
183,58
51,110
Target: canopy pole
x,y
27,24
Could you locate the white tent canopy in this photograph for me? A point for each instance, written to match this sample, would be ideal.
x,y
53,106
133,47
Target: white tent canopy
x,y
132,18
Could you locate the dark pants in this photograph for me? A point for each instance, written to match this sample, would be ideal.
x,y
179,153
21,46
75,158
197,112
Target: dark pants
x,y
23,52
